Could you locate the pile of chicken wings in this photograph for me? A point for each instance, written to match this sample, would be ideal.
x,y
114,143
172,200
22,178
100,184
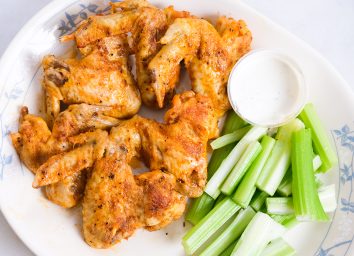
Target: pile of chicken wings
x,y
84,151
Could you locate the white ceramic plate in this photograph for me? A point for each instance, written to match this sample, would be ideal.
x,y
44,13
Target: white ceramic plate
x,y
49,230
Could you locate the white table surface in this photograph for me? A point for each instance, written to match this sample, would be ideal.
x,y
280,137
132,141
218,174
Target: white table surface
x,y
327,25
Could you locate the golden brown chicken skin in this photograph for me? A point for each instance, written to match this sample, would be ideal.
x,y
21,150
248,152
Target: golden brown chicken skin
x,y
177,147
146,24
102,78
69,191
208,53
35,144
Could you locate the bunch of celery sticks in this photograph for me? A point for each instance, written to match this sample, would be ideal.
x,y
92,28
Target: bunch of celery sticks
x,y
261,182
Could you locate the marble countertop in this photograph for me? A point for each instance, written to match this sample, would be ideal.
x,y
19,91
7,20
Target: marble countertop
x,y
325,25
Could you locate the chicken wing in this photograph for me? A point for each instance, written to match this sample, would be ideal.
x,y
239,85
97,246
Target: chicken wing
x,y
69,191
101,78
112,208
208,56
35,144
162,203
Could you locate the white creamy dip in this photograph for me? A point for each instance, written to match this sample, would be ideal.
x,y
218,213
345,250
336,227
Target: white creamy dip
x,y
267,88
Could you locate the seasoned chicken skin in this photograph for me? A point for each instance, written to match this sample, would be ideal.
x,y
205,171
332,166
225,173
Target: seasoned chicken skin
x,y
208,54
102,78
177,147
35,144
146,23
116,203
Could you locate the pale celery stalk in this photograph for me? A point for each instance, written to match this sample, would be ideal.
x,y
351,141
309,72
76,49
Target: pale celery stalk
x,y
278,247
246,189
237,173
231,233
280,205
205,228
258,200
229,138
285,187
322,144
232,122
212,187
287,221
260,231
279,159
217,157
285,206
306,201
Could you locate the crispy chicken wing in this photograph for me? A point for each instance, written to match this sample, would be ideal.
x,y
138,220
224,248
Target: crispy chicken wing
x,y
69,191
112,206
101,78
35,144
162,203
208,56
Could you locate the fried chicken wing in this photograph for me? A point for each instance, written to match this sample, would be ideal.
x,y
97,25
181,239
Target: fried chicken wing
x,y
69,191
112,206
162,203
208,56
34,142
101,78
65,164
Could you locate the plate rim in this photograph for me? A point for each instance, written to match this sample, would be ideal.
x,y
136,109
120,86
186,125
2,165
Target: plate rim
x,y
8,59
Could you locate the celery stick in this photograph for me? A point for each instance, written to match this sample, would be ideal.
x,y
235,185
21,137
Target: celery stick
x,y
320,138
231,233
306,201
279,159
229,249
212,187
219,199
205,228
285,187
199,207
237,173
285,206
328,198
246,188
287,221
278,247
258,200
230,138
217,157
232,122
316,162
280,205
260,231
